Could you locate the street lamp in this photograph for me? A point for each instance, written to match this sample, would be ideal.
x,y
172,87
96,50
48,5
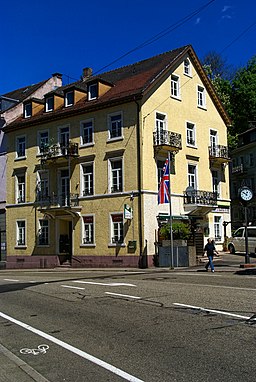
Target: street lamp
x,y
246,194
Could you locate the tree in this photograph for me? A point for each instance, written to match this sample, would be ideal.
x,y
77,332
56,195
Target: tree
x,y
220,75
217,66
243,99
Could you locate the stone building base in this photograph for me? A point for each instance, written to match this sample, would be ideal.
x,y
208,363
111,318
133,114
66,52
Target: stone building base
x,y
43,262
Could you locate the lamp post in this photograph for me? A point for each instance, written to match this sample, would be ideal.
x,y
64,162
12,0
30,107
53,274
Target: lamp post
x,y
170,209
246,194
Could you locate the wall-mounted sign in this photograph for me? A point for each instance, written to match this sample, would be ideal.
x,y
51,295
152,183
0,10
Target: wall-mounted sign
x,y
128,212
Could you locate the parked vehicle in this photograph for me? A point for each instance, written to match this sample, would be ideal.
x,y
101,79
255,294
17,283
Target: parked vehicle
x,y
237,241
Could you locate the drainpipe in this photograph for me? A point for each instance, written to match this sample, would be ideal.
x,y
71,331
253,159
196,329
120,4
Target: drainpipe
x,y
142,258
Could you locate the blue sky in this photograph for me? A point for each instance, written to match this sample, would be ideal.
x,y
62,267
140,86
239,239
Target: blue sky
x,y
39,38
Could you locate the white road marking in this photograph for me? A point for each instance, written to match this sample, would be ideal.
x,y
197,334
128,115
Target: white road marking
x,y
72,287
122,295
11,280
213,286
103,284
41,349
214,311
74,350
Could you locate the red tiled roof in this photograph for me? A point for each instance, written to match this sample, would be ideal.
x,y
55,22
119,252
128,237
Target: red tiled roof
x,y
128,81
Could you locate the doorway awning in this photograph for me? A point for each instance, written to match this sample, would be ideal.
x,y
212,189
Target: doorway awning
x,y
166,217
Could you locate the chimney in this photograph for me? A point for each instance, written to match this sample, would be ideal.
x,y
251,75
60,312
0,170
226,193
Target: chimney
x,y
57,77
87,72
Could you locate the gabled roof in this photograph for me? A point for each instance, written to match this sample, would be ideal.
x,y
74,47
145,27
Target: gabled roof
x,y
21,94
128,83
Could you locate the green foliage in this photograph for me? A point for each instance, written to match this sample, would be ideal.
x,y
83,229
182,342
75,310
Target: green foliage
x,y
236,90
243,98
232,139
180,230
216,66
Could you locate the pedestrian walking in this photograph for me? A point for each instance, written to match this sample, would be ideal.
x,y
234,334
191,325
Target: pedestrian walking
x,y
210,251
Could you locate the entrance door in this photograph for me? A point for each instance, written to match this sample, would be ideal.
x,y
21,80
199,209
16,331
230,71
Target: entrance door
x,y
64,188
65,241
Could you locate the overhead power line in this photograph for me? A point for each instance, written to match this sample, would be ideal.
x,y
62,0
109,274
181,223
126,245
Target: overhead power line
x,y
160,35
238,37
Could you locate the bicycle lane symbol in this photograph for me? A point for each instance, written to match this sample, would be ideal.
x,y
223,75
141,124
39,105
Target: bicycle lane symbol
x,y
41,349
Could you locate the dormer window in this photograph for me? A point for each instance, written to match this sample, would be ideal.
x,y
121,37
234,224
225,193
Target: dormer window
x,y
49,104
28,110
69,98
92,92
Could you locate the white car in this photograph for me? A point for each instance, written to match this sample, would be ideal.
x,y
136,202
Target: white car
x,y
237,241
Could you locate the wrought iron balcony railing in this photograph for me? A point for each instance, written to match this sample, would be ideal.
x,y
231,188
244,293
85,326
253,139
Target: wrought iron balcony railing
x,y
167,138
219,152
203,198
61,200
57,150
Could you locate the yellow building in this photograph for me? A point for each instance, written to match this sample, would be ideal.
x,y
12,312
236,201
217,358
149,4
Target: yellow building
x,y
84,165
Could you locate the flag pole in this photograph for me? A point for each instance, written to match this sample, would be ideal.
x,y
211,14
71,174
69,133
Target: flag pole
x,y
170,209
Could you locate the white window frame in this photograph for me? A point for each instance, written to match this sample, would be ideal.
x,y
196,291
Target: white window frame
x,y
42,185
44,230
28,110
187,67
90,126
201,97
20,187
92,92
21,233
116,227
42,141
88,229
111,124
175,86
217,226
65,133
47,107
21,144
190,134
192,178
213,138
119,186
67,101
89,176
161,123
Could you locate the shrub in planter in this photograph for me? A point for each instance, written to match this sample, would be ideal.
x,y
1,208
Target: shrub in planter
x,y
180,231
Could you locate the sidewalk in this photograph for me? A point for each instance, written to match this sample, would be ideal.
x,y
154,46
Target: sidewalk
x,y
13,369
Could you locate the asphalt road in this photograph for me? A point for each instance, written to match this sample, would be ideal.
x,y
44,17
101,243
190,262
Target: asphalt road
x,y
115,325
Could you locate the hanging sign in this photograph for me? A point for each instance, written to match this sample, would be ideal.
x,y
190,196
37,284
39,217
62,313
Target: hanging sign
x,y
128,212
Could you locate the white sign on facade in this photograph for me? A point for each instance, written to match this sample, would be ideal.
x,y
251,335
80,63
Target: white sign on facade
x,y
128,212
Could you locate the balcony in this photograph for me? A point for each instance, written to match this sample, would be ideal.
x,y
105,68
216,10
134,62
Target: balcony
x,y
218,154
199,202
58,204
167,141
58,150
